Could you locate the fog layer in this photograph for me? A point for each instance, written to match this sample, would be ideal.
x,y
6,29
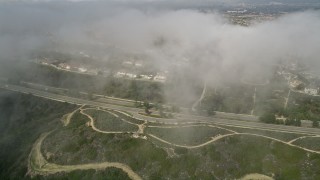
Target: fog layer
x,y
205,43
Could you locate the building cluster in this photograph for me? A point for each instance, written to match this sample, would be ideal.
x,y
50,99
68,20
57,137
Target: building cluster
x,y
124,73
295,82
246,18
132,69
159,77
73,67
132,63
76,68
311,91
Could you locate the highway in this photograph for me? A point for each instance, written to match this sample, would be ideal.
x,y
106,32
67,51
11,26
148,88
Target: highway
x,y
178,117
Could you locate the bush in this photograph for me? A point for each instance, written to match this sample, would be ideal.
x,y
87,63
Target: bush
x,y
268,118
315,123
181,150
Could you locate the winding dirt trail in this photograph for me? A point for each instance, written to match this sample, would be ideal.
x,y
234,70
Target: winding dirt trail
x,y
183,126
140,130
95,128
38,165
68,117
256,176
216,138
192,147
193,125
302,137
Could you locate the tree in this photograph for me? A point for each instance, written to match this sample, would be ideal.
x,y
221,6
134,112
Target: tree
x,y
210,112
268,118
138,104
147,107
133,90
161,112
90,96
300,87
293,121
175,108
297,122
170,115
315,123
100,73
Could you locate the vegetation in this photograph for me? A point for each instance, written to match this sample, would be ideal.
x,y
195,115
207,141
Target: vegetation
x,y
309,142
194,135
278,135
75,82
235,99
219,160
110,173
147,107
249,154
128,118
315,123
303,107
22,119
108,122
269,118
300,107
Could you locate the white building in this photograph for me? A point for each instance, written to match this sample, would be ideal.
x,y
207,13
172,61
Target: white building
x,y
131,75
160,78
143,76
138,64
82,69
64,66
128,63
311,91
120,74
295,83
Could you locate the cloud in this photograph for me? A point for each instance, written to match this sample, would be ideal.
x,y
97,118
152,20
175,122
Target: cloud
x,y
206,43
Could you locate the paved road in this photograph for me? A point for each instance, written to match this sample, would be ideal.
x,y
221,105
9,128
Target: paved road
x,y
180,118
128,102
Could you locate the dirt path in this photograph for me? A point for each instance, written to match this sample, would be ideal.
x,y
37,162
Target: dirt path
x,y
216,138
302,137
287,100
206,143
142,127
192,147
183,126
201,97
284,142
254,100
232,131
67,117
256,176
38,165
194,125
95,128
